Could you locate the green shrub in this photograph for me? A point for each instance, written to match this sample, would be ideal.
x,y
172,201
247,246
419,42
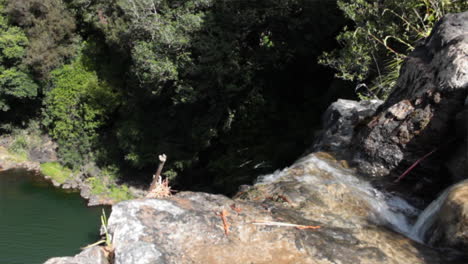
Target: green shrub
x,y
50,29
24,139
120,193
75,108
56,171
19,145
112,190
97,186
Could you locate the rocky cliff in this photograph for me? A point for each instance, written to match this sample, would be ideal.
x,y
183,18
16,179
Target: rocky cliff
x,y
321,210
425,113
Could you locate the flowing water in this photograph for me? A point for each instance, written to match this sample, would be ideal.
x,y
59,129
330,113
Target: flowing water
x,y
386,209
38,221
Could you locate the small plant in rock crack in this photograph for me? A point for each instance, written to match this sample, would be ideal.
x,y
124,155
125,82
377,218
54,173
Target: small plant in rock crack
x,y
107,240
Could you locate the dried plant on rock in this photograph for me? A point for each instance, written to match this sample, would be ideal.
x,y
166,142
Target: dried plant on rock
x,y
160,190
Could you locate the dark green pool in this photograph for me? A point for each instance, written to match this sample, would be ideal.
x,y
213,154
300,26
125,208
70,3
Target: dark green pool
x,y
38,221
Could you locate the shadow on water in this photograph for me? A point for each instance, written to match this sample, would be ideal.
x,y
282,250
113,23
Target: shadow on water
x,y
39,221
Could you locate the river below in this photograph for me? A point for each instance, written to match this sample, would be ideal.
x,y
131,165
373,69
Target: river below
x,y
38,221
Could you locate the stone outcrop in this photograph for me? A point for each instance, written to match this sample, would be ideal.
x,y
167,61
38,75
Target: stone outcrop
x,y
44,152
450,223
8,161
420,115
339,122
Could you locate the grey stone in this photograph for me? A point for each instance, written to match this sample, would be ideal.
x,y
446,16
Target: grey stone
x,y
138,253
450,223
339,122
93,255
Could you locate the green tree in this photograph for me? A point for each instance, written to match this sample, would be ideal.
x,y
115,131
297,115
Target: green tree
x,y
15,84
196,68
50,28
75,108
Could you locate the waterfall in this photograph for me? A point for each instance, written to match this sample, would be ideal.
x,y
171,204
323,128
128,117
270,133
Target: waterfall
x,y
386,208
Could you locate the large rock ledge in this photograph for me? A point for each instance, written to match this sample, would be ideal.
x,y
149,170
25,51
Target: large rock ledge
x,y
189,228
258,224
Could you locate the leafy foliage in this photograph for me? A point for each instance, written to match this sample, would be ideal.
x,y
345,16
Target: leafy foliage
x,y
109,189
228,89
381,35
12,43
19,146
50,28
194,66
15,84
25,140
105,185
75,108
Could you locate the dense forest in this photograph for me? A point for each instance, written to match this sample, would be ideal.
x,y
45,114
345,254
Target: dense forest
x,y
227,89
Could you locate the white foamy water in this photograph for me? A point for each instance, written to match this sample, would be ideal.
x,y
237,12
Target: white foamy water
x,y
386,208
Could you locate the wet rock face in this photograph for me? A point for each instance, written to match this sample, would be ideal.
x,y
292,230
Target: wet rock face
x,y
450,228
420,113
255,226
